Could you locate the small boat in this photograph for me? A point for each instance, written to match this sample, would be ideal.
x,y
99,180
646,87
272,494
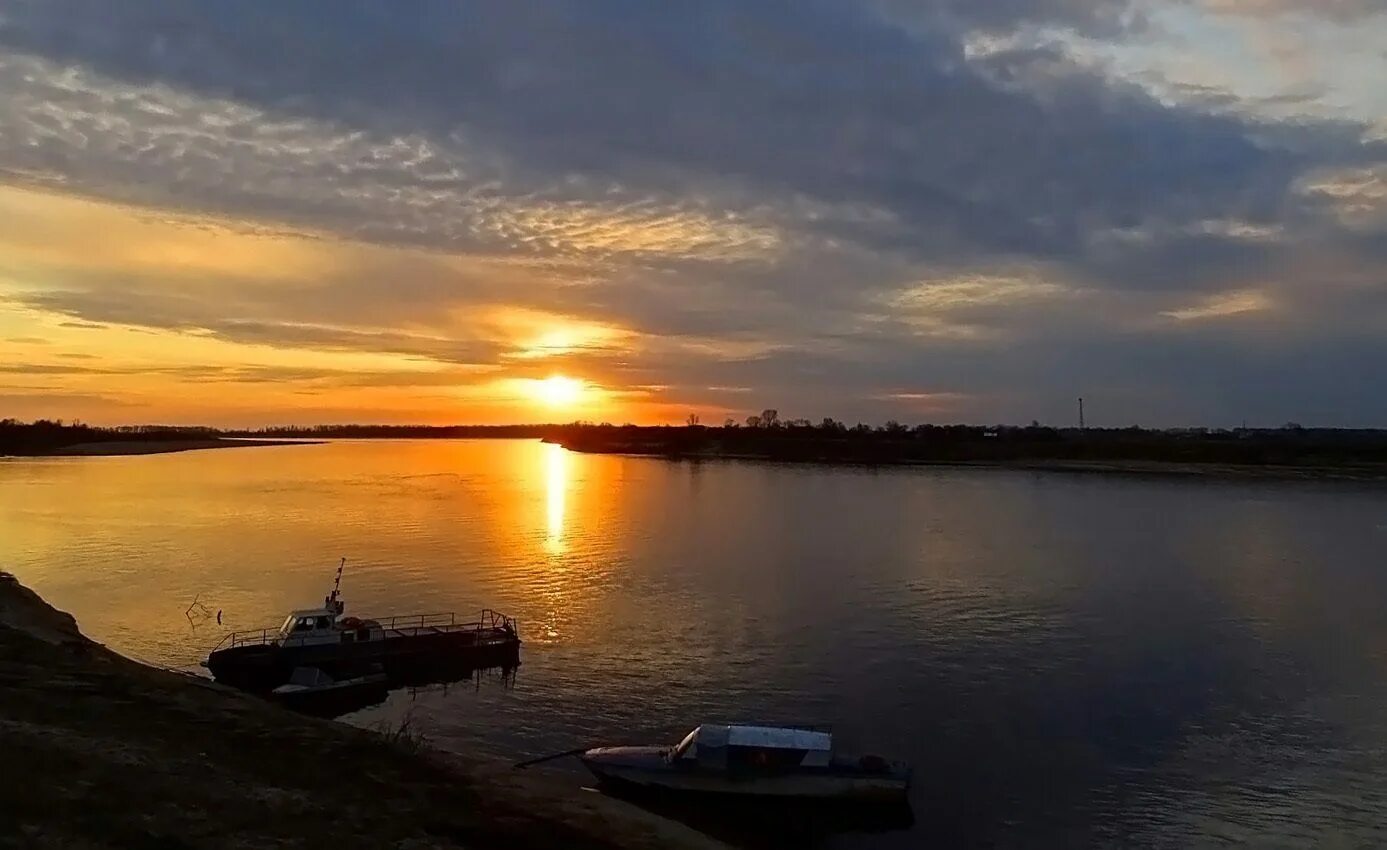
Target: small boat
x,y
313,691
328,639
752,761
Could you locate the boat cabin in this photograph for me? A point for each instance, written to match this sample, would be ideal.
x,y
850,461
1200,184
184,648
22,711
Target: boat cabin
x,y
326,625
310,625
753,748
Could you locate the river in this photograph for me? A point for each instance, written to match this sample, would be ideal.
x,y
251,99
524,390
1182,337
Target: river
x,y
1065,658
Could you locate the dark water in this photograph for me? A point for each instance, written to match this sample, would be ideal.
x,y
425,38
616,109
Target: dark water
x,y
1065,659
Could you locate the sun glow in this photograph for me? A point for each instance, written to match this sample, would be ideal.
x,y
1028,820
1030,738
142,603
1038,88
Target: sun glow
x,y
559,391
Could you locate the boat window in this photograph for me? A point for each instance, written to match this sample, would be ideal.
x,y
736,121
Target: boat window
x,y
711,758
764,758
304,624
324,622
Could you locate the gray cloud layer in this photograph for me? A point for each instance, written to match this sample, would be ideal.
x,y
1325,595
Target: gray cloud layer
x,y
812,174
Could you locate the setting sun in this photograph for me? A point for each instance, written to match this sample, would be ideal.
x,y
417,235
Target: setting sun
x,y
559,391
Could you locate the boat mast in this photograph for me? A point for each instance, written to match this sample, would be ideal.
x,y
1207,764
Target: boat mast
x,y
333,600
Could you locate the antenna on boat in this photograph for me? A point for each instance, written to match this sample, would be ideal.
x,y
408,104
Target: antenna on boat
x,y
333,599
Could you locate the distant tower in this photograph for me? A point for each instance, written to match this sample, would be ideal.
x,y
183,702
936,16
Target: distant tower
x,y
1081,413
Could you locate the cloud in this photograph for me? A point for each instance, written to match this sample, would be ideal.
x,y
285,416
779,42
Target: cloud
x,y
973,305
259,374
103,307
1098,17
68,127
49,369
1344,10
928,403
1356,196
1222,306
835,204
694,144
971,290
24,405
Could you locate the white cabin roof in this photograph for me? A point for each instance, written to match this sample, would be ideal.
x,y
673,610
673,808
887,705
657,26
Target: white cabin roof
x,y
312,612
771,737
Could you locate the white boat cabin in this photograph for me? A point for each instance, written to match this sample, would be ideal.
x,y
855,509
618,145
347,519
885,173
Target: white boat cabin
x,y
715,747
326,625
311,625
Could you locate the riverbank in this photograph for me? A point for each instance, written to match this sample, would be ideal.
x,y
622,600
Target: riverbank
x,y
1291,456
1365,473
101,751
106,448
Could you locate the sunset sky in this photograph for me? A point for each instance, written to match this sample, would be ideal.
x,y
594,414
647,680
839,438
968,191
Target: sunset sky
x,y
480,212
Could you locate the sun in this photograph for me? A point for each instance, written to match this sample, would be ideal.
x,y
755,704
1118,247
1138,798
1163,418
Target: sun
x,y
559,391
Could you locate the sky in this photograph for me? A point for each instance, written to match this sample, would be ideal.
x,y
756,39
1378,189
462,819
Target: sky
x,y
480,212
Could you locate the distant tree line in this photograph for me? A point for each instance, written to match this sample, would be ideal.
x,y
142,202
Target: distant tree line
x,y
47,435
766,435
367,432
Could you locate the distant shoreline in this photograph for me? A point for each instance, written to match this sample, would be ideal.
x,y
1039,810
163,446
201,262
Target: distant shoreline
x,y
115,448
1289,453
1373,473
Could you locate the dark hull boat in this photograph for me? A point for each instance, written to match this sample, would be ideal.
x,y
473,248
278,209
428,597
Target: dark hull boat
x,y
751,762
263,660
310,690
404,648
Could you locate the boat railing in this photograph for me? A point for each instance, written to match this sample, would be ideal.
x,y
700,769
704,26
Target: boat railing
x,y
496,620
404,624
416,621
246,638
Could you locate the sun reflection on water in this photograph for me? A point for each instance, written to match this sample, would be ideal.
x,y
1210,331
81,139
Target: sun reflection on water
x,y
556,491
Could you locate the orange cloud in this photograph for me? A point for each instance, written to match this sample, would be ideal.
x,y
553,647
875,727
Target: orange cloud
x,y
107,309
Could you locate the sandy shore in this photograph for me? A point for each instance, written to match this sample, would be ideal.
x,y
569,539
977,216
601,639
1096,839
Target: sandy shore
x,y
151,447
102,752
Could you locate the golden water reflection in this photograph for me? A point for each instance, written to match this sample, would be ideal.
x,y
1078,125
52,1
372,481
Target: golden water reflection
x,y
556,492
516,525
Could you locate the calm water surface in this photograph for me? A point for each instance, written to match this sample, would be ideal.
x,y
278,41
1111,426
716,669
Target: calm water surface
x,y
1065,659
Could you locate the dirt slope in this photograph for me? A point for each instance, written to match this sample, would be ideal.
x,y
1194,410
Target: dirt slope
x,y
99,751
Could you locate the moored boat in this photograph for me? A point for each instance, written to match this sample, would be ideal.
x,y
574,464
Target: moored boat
x,y
313,691
752,761
327,639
